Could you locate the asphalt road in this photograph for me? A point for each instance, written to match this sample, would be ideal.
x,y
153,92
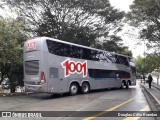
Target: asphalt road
x,y
103,101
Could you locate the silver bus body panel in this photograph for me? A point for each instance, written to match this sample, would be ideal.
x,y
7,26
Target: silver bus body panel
x,y
56,82
31,81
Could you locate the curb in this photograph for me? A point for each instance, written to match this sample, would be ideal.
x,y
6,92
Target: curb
x,y
156,86
13,94
151,95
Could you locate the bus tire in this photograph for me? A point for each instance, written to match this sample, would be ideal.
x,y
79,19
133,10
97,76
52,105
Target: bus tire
x,y
73,90
127,85
85,88
122,84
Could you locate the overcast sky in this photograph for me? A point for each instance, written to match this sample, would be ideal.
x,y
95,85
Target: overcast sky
x,y
121,4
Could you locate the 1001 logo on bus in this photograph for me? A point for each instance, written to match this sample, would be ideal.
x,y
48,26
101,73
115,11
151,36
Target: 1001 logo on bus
x,y
31,45
71,67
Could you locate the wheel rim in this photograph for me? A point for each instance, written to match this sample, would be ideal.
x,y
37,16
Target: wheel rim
x,y
122,84
74,89
127,84
85,88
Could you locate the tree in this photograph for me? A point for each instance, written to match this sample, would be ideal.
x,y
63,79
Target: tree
x,y
11,40
139,61
83,22
117,47
145,14
114,46
151,62
146,65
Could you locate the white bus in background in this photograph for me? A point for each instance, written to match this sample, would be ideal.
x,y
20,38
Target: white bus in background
x,y
55,66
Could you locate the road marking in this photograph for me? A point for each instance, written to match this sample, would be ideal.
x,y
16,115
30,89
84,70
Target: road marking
x,y
146,108
108,110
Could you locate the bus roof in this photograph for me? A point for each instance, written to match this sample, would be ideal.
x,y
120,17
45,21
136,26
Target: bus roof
x,y
44,38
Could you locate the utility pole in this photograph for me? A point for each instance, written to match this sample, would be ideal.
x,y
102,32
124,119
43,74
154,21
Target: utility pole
x,y
144,62
158,72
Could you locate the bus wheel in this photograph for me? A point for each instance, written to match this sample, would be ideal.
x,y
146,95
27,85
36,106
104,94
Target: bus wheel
x,y
127,85
73,89
122,85
85,88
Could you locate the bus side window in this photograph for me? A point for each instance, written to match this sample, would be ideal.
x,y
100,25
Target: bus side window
x,y
87,54
53,72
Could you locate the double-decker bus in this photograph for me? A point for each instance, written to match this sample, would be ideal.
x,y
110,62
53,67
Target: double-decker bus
x,y
55,66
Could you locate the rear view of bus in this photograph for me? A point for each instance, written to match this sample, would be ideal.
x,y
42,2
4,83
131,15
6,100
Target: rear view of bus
x,y
34,76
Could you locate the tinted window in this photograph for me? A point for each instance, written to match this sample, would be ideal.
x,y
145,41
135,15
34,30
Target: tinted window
x,y
67,50
32,67
53,72
97,73
62,49
121,60
133,70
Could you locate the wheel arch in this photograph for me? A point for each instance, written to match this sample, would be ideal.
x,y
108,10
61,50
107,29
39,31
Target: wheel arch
x,y
84,82
74,81
85,87
124,81
129,81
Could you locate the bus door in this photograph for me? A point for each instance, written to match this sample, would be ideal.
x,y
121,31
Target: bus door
x,y
63,82
53,80
56,82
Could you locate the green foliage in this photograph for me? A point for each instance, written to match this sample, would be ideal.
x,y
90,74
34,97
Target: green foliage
x,y
79,21
11,52
147,64
84,22
113,46
145,14
152,62
139,61
117,48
